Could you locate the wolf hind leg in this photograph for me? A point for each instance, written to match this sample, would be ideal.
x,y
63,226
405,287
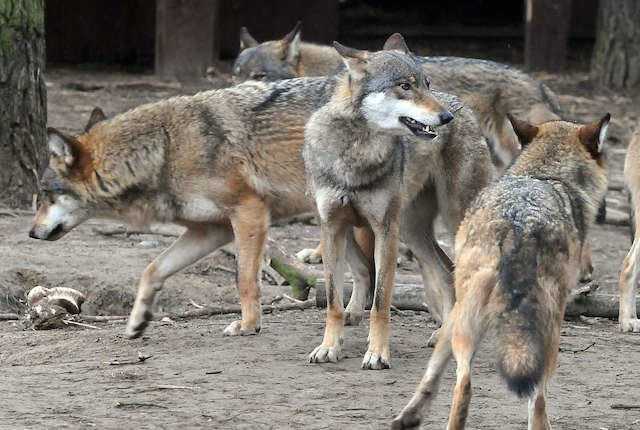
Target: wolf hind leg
x,y
418,234
250,227
627,317
359,255
195,243
411,415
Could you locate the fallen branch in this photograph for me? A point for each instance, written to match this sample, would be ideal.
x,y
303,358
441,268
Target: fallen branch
x,y
9,317
141,359
135,405
221,310
296,273
583,301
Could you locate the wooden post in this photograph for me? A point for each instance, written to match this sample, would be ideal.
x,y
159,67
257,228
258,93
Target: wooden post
x,y
185,38
546,34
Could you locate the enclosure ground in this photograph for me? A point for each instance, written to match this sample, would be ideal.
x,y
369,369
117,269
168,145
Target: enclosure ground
x,y
196,378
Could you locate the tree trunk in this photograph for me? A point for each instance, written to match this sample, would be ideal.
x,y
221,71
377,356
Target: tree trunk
x,y
23,107
616,54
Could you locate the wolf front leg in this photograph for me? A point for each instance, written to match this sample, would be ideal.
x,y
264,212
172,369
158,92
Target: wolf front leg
x,y
195,243
250,226
333,258
385,255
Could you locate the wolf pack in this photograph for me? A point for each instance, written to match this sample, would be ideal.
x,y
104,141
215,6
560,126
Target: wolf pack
x,y
377,144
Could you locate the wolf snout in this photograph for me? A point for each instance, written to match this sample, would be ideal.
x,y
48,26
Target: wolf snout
x,y
445,117
32,234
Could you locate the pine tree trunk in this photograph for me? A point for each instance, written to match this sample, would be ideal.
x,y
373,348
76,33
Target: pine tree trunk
x,y
23,107
616,54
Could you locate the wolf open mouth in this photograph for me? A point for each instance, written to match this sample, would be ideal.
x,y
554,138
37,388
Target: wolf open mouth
x,y
418,128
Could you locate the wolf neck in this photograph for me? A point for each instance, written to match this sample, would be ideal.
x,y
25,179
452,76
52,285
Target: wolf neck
x,y
317,60
127,166
578,175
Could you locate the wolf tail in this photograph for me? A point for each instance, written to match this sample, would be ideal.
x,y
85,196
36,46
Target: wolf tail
x,y
520,353
520,327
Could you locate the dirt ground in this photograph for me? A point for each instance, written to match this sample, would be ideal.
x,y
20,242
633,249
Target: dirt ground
x,y
196,378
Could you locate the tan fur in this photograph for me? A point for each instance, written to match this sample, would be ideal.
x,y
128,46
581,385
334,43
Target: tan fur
x,y
628,318
517,257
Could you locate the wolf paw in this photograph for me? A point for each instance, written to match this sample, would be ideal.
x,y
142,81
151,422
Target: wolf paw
x,y
373,361
236,329
323,354
630,325
406,420
309,256
137,324
433,339
352,318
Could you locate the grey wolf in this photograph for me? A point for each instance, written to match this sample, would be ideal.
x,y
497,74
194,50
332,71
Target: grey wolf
x,y
375,161
222,163
517,258
491,89
628,318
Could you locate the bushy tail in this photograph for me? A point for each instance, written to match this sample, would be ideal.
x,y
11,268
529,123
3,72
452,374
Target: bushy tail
x,y
520,349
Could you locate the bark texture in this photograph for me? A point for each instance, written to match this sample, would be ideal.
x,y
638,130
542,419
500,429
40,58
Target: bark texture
x,y
23,107
616,54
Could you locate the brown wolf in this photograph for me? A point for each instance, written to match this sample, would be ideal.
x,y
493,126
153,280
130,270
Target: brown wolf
x,y
628,318
491,89
517,257
222,163
374,161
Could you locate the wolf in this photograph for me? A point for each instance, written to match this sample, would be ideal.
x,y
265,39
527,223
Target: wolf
x,y
517,257
222,163
627,317
491,89
374,160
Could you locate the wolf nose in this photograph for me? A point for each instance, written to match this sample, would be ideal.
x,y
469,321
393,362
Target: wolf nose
x,y
32,233
446,117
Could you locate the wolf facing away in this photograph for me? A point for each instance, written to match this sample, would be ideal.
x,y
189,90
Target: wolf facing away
x,y
374,161
628,317
491,89
517,258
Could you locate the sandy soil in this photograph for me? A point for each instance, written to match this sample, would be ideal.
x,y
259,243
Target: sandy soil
x,y
196,378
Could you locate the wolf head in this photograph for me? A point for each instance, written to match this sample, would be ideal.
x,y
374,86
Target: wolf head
x,y
391,89
572,153
268,61
61,207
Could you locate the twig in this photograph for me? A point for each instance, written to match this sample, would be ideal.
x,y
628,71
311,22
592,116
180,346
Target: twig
x,y
102,318
626,407
288,297
141,359
136,405
213,372
9,317
67,322
195,304
167,387
575,351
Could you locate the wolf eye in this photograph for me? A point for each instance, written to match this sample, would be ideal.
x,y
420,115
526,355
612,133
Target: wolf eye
x,y
405,86
258,75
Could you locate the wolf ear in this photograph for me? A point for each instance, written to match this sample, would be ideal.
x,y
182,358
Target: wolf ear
x,y
593,135
291,44
62,150
97,115
396,42
246,40
353,58
525,131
